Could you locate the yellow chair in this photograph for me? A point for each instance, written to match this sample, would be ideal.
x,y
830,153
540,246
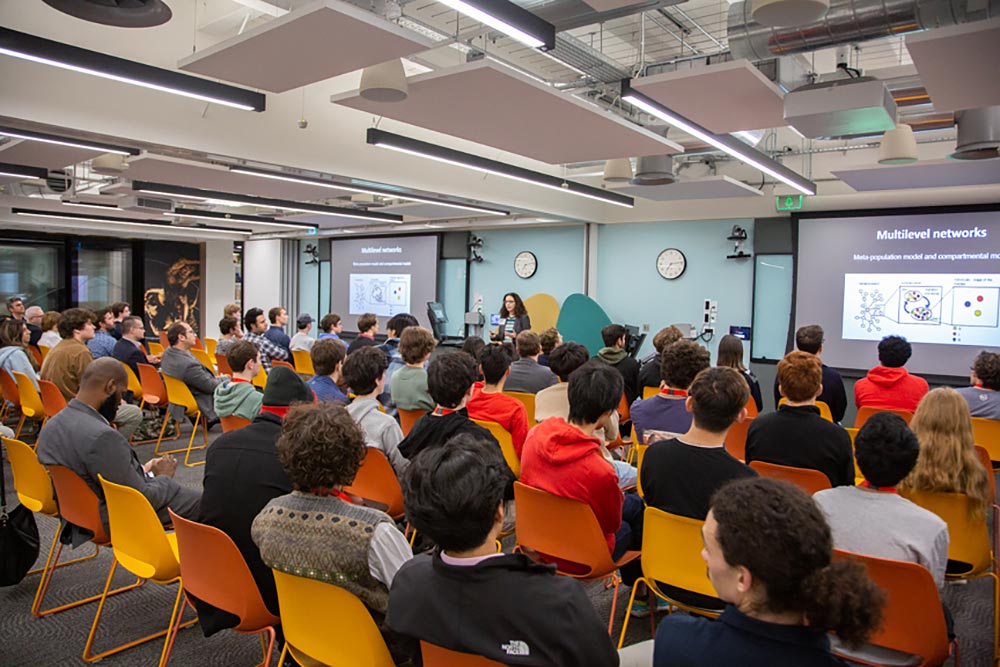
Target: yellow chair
x,y
824,409
649,392
303,362
260,380
145,549
210,345
327,624
134,385
529,404
640,452
858,477
31,400
179,394
155,348
671,555
204,359
506,441
986,433
44,349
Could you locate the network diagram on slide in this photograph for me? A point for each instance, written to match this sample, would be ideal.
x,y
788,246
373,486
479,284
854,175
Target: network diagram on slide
x,y
927,308
382,294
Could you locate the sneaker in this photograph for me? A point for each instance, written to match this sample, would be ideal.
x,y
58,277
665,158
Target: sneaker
x,y
640,608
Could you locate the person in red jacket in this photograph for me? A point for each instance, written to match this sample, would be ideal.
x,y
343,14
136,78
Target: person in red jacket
x,y
889,385
490,404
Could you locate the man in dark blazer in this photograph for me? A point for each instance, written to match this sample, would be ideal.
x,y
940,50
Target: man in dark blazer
x,y
178,362
130,347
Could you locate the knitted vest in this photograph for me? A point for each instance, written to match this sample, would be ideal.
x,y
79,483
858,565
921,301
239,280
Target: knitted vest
x,y
324,538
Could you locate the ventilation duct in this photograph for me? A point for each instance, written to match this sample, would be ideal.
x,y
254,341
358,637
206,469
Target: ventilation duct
x,y
655,169
58,181
978,134
849,21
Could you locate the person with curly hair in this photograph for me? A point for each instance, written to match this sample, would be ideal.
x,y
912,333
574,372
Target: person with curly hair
x,y
679,364
50,329
513,318
549,339
889,385
983,396
769,554
649,367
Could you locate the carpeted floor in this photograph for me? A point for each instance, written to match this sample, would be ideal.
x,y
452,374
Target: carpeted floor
x,y
26,641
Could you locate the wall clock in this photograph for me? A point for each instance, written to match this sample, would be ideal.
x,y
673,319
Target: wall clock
x,y
671,263
525,264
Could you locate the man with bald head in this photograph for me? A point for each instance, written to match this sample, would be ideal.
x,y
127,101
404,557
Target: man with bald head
x,y
81,438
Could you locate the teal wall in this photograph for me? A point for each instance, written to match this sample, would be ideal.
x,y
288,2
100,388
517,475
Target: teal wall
x,y
451,293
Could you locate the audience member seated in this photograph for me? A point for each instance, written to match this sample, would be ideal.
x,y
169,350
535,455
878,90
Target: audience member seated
x,y
230,329
490,404
15,308
393,330
649,369
119,310
330,326
50,329
367,328
680,362
408,386
364,372
328,362
731,356
103,342
278,317
467,597
810,339
130,348
354,547
65,363
256,327
242,474
770,558
33,319
302,340
872,518
233,311
449,379
549,339
889,385
473,346
526,374
796,435
983,396
613,353
80,438
948,461
178,362
238,397
14,355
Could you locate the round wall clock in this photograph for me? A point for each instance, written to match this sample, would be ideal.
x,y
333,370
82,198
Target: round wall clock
x,y
671,263
525,264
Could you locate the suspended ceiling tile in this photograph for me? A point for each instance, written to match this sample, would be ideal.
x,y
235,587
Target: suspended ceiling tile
x,y
424,211
335,221
932,174
40,154
711,187
725,97
958,65
493,105
608,5
319,41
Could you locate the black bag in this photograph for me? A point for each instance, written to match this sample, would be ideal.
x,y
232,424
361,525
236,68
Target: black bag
x,y
18,539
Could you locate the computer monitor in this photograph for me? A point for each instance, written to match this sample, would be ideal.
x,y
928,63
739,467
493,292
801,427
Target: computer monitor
x,y
743,333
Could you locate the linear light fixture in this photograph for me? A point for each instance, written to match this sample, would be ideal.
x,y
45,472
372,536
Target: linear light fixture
x,y
724,142
368,191
131,222
233,199
63,141
510,19
73,58
217,216
458,158
83,204
22,171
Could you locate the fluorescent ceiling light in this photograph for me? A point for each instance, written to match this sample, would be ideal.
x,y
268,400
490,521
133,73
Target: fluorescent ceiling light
x,y
129,222
22,171
72,143
222,218
459,159
723,142
48,52
80,204
367,191
514,21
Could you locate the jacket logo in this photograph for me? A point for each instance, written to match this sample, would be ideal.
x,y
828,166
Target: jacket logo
x,y
516,647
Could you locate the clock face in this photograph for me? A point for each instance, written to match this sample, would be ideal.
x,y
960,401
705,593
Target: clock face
x,y
671,263
525,264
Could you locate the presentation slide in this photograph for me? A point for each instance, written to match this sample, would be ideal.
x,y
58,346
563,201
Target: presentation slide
x,y
384,276
932,278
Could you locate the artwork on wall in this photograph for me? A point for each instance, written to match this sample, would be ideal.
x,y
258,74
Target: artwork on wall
x,y
172,292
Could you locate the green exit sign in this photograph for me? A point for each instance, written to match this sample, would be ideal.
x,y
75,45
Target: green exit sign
x,y
788,202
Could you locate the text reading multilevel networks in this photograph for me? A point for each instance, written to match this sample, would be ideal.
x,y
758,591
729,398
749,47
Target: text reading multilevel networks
x,y
920,234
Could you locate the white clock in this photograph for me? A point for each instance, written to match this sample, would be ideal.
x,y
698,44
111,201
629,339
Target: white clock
x,y
525,264
671,263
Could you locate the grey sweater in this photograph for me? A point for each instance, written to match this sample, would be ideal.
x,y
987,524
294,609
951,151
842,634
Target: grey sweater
x,y
381,431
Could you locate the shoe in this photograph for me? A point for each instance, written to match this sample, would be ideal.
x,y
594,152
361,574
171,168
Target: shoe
x,y
640,608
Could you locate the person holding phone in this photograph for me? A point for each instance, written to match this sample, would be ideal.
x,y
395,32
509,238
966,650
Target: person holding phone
x,y
513,318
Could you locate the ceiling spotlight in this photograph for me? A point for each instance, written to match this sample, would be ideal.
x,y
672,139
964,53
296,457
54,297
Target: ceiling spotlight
x,y
788,12
618,170
898,146
385,82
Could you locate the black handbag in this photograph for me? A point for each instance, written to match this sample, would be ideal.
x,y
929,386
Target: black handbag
x,y
18,538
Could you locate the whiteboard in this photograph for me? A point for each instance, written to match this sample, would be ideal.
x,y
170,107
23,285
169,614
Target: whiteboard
x,y
772,306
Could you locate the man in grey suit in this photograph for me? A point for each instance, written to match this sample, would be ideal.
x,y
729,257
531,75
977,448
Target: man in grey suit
x,y
526,374
81,438
178,362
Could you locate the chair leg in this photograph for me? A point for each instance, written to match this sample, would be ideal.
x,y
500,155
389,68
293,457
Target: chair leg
x,y
614,603
268,646
284,652
199,419
163,429
166,418
628,612
52,564
43,587
174,626
20,425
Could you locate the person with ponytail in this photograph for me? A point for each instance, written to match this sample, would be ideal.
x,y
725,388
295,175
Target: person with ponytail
x,y
769,554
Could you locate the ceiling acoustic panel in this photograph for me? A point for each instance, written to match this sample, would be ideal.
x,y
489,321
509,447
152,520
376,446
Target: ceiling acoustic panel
x,y
725,97
931,174
710,187
40,154
610,5
493,105
319,41
958,65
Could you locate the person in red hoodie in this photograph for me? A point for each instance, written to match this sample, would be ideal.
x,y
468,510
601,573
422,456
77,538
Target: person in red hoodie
x,y
563,457
490,404
889,385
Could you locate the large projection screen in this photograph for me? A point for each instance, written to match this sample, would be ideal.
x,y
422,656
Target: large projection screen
x,y
933,278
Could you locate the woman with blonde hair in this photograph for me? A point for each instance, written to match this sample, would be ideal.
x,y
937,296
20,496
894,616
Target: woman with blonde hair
x,y
947,462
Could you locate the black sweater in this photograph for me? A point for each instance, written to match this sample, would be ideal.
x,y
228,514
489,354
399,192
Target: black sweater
x,y
833,394
432,430
798,437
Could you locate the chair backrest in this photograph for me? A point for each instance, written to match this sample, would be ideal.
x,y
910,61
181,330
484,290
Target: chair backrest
x,y
868,410
156,348
203,359
407,418
671,551
223,364
279,362
563,528
913,618
807,479
179,394
968,537
198,345
624,415
77,502
210,345
736,439
506,441
529,404
31,480
328,623
163,340
36,354
153,391
31,402
648,392
44,349
438,656
984,458
233,423
986,433
140,543
752,410
8,387
824,408
303,362
853,432
213,570
134,385
377,481
260,380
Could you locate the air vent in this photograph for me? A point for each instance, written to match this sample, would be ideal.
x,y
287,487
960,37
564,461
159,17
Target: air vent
x,y
58,181
147,204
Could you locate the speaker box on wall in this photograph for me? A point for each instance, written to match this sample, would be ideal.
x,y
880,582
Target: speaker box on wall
x,y
455,245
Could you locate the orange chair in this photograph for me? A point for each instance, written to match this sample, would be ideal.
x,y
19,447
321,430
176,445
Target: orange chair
x,y
8,388
752,410
179,394
566,529
506,441
163,340
31,401
36,354
986,433
736,439
529,404
223,364
213,570
154,393
407,418
438,656
867,411
233,423
377,481
279,362
303,362
624,415
807,479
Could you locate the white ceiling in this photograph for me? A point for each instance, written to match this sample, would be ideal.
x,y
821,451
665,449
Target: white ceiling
x,y
960,65
708,187
932,174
